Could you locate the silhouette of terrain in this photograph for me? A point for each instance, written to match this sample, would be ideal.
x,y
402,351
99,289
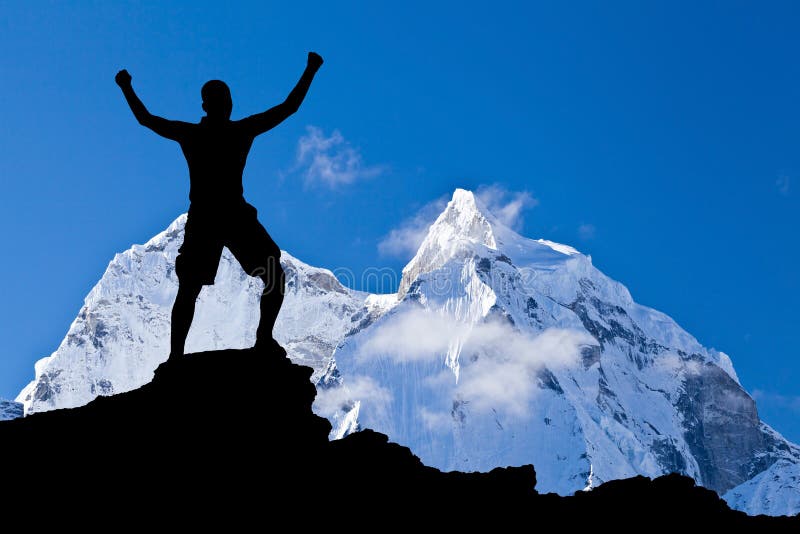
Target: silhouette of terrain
x,y
229,438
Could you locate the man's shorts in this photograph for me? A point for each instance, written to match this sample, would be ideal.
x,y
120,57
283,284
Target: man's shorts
x,y
209,230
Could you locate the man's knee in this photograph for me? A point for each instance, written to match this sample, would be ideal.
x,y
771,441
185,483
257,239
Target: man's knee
x,y
188,291
274,278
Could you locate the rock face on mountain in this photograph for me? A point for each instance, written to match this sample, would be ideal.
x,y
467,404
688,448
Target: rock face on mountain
x,y
10,409
497,350
207,444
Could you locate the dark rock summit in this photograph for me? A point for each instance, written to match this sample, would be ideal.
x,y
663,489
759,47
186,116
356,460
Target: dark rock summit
x,y
228,439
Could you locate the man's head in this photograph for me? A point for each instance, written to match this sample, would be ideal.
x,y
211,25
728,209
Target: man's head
x,y
217,101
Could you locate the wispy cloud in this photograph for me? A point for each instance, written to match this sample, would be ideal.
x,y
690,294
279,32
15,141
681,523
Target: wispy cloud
x,y
413,335
331,160
499,364
783,183
508,206
403,241
434,420
504,375
330,401
586,231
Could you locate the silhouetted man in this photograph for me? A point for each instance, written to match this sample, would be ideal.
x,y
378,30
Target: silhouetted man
x,y
216,150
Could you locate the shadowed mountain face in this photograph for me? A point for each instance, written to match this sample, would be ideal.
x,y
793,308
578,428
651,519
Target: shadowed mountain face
x,y
205,442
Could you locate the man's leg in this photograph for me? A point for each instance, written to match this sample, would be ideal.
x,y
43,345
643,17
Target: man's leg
x,y
195,266
260,256
271,300
182,314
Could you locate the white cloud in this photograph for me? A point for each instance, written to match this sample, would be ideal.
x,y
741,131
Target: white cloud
x,y
499,364
364,388
331,161
404,240
434,420
783,183
504,376
587,231
414,335
508,206
671,363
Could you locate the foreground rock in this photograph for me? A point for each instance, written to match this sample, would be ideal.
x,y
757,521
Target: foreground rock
x,y
228,438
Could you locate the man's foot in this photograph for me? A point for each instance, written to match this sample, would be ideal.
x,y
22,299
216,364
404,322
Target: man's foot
x,y
174,357
269,345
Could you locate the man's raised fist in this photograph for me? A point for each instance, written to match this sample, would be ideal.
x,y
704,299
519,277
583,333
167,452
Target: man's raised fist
x,y
314,60
122,78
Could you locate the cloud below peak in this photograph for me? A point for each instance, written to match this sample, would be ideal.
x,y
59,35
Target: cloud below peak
x,y
499,364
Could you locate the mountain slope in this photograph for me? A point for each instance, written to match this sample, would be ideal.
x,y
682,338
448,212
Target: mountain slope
x,y
121,333
504,350
10,410
497,350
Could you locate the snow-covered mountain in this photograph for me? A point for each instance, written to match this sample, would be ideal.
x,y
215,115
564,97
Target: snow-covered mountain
x,y
504,350
497,350
121,333
10,410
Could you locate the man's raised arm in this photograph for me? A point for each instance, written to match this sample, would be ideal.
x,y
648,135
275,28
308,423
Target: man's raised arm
x,y
261,122
163,127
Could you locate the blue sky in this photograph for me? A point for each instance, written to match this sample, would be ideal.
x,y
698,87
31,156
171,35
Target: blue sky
x,y
662,139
